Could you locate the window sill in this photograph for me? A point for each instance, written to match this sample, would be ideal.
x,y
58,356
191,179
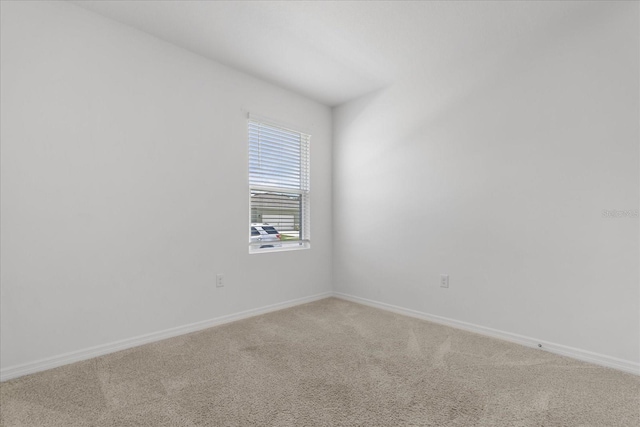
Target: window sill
x,y
284,248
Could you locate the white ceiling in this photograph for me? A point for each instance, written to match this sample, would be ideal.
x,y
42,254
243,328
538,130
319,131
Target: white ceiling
x,y
336,51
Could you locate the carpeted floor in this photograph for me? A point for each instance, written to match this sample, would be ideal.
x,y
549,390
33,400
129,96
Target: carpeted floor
x,y
328,363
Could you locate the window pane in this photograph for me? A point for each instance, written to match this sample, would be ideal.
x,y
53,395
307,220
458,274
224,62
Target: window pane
x,y
281,211
279,187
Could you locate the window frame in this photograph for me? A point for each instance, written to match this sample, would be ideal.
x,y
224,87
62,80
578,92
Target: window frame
x,y
303,190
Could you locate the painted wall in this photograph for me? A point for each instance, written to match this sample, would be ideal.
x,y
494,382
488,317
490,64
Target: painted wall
x,y
496,171
117,151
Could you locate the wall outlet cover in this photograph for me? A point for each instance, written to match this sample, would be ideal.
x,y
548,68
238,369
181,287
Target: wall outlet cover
x,y
444,280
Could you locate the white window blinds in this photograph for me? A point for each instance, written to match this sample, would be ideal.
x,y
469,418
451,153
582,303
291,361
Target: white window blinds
x,y
279,187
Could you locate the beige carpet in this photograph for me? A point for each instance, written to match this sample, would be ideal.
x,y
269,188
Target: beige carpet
x,y
328,363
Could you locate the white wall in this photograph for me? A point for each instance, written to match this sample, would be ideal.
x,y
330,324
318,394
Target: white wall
x,y
497,173
124,185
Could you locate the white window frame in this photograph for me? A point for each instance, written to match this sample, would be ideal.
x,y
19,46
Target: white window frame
x,y
301,189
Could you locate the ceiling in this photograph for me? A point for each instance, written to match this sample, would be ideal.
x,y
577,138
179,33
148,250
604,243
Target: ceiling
x,y
336,51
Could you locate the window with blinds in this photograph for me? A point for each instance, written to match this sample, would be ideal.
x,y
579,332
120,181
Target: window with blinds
x,y
278,187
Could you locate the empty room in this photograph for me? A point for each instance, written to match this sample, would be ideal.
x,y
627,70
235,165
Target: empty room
x,y
320,213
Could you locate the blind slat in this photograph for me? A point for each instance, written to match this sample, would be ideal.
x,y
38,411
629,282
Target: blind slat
x,y
274,156
271,137
281,133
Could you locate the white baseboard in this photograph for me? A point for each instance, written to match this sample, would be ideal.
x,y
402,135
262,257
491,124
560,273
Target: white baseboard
x,y
563,350
100,350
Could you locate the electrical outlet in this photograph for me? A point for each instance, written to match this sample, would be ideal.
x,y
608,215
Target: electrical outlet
x,y
444,280
219,280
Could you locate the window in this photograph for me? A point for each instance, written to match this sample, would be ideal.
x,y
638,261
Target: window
x,y
278,187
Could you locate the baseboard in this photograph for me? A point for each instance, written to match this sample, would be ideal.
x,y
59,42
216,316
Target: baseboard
x,y
563,350
100,350
88,353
